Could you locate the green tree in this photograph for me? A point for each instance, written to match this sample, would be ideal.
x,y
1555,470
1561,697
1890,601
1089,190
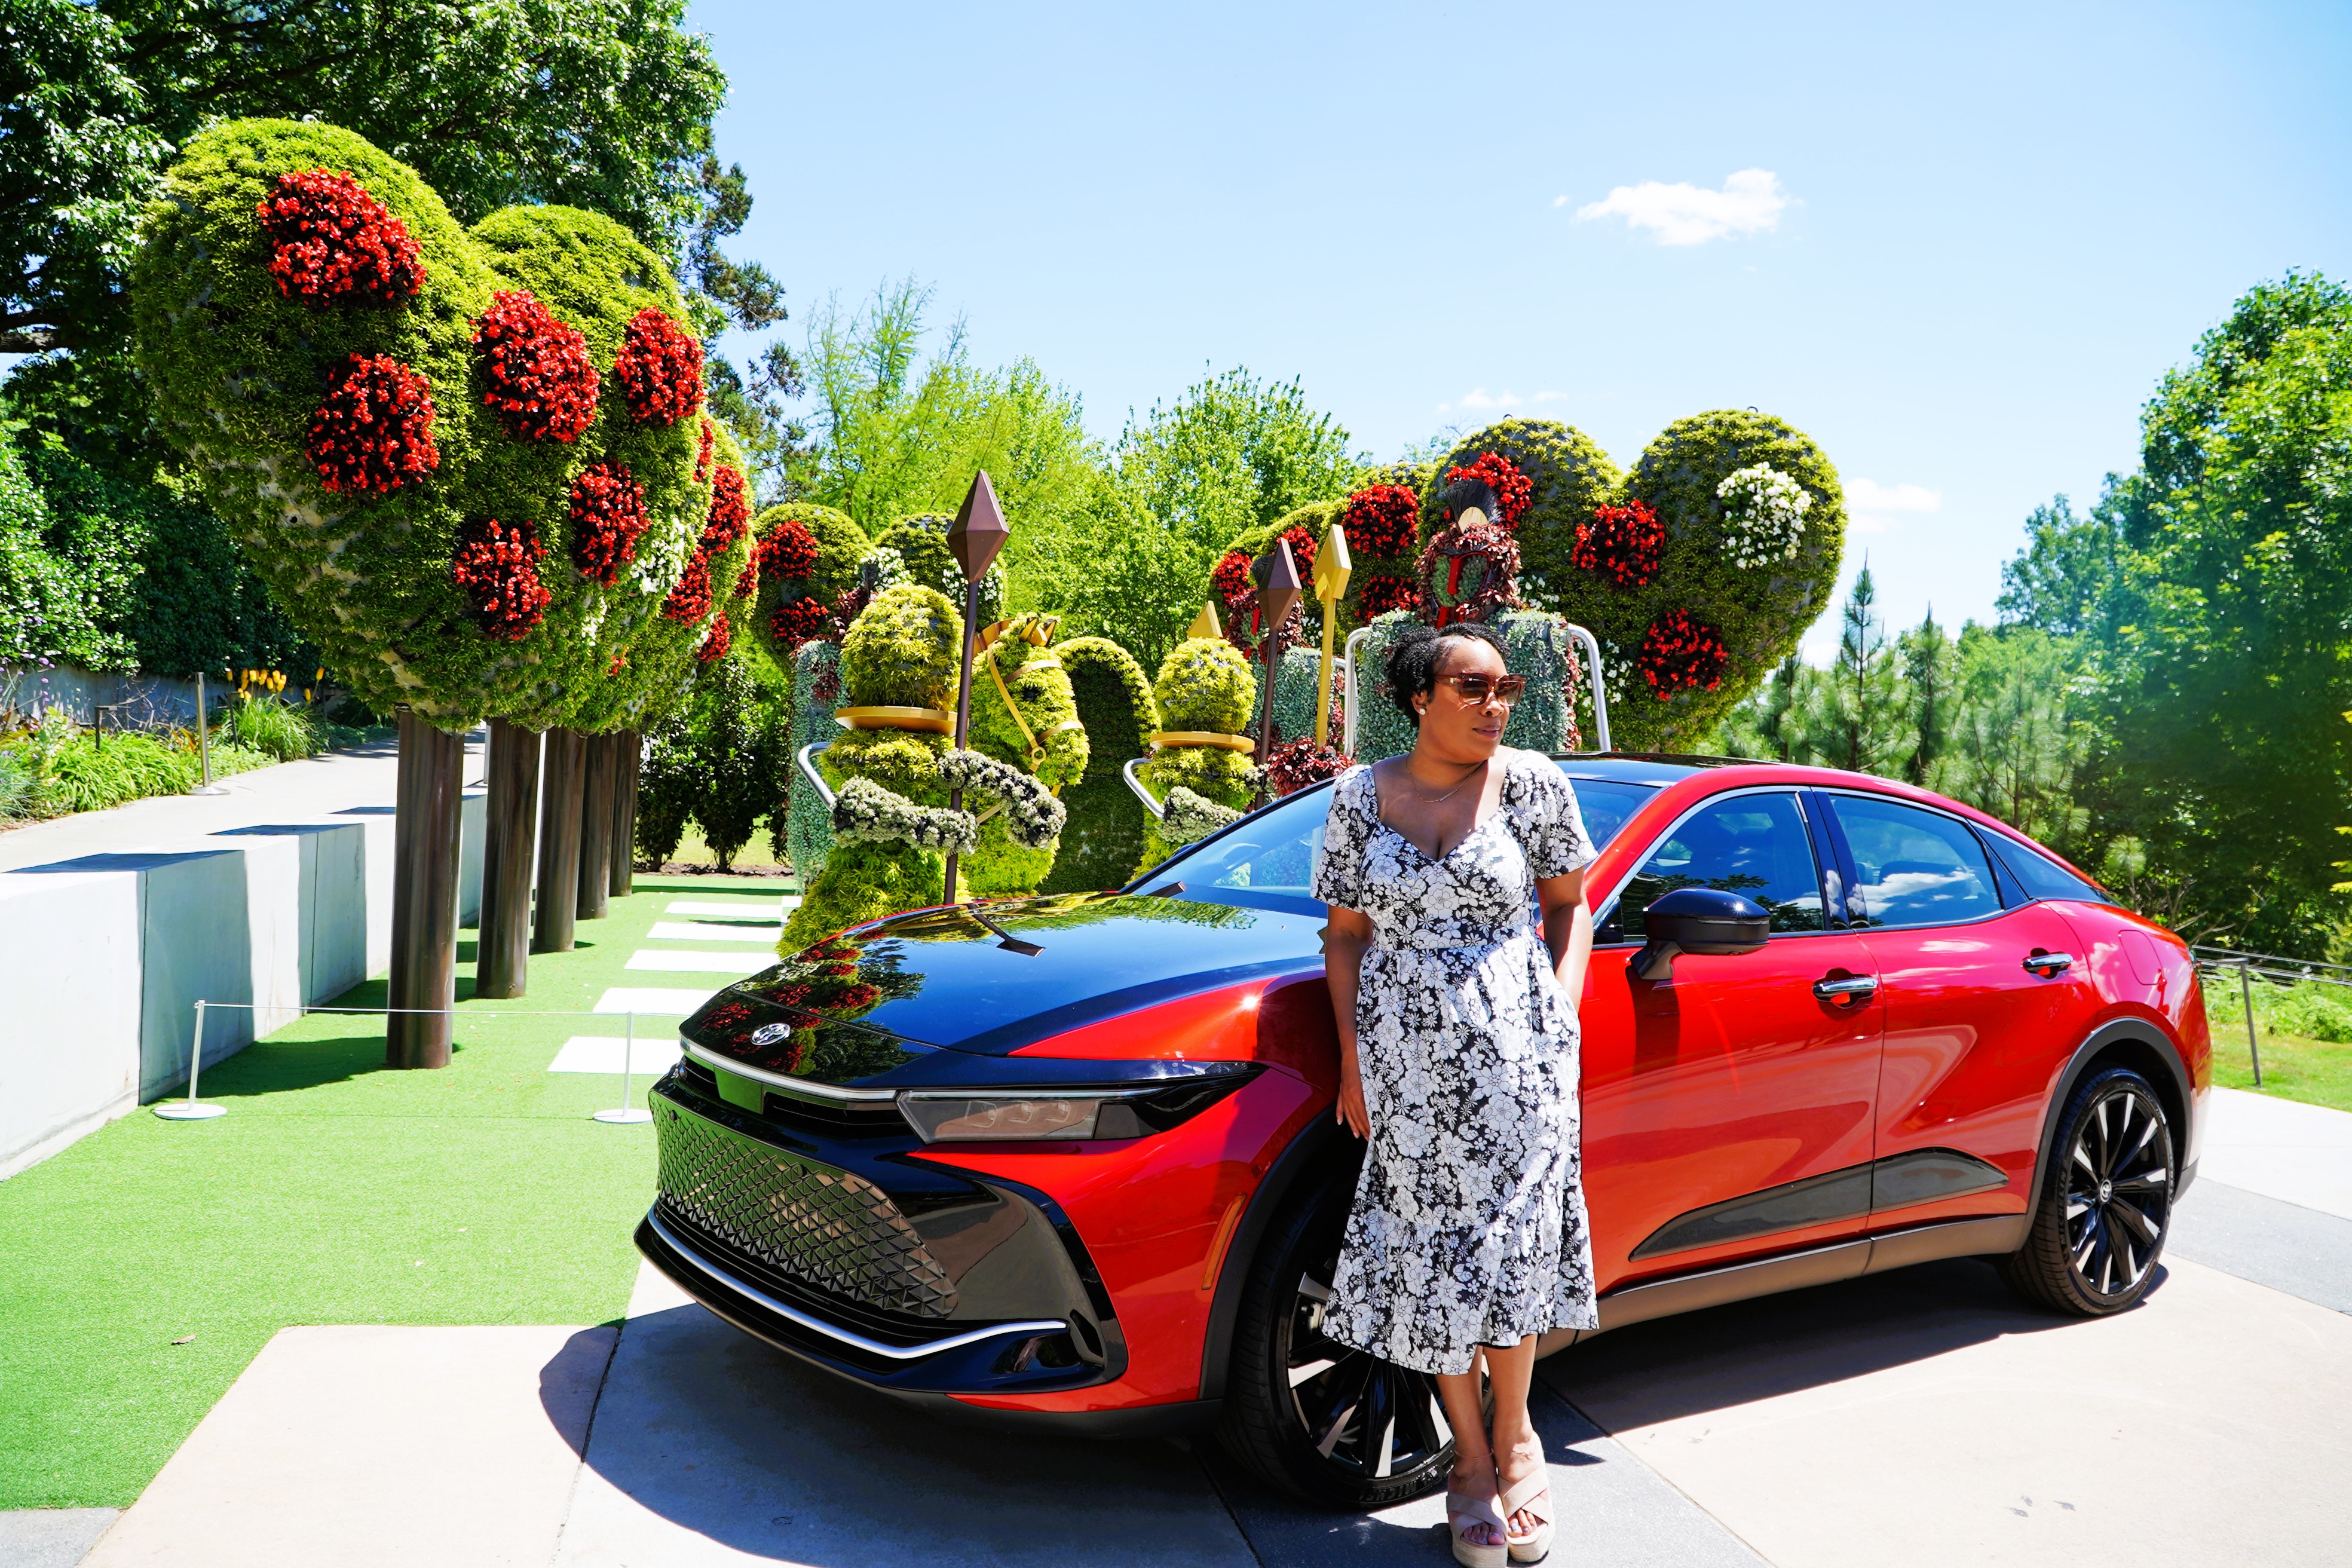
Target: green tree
x,y
2060,581
2010,748
1926,655
1859,718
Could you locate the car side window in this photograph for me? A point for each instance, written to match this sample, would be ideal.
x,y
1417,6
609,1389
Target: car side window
x,y
1912,867
2043,879
1750,844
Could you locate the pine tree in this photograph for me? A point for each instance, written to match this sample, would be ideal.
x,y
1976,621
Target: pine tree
x,y
1928,671
1860,719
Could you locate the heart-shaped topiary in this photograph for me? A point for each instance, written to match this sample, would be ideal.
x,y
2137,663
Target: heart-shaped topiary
x,y
472,465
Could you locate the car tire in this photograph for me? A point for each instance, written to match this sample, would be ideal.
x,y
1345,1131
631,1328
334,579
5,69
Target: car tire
x,y
1321,1421
2106,1203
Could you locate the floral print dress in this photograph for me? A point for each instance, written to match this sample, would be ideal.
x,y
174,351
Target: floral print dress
x,y
1469,1225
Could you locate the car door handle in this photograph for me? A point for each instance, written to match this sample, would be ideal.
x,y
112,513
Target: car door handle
x,y
1860,987
2049,965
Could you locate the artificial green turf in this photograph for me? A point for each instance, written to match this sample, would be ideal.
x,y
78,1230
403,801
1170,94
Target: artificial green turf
x,y
334,1190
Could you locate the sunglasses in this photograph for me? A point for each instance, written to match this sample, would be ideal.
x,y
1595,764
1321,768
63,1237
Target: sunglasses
x,y
1477,690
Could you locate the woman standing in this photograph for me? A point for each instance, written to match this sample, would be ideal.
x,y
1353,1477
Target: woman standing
x,y
1458,1042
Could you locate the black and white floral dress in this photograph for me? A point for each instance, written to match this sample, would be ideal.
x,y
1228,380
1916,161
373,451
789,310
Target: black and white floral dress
x,y
1469,1225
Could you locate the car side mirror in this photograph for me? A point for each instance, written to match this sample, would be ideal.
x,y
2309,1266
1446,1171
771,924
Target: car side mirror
x,y
1706,921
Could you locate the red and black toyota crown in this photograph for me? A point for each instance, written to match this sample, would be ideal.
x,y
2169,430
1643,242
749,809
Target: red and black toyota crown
x,y
1071,1162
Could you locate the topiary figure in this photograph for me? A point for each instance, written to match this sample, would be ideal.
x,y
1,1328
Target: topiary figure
x,y
1567,476
915,550
817,692
1024,712
1382,523
465,462
807,558
1104,833
891,824
1204,689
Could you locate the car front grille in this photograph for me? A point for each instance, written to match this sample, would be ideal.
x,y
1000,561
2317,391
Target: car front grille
x,y
829,1227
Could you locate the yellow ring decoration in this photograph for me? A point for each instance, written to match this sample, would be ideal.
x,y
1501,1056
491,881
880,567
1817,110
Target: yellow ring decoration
x,y
1241,744
930,720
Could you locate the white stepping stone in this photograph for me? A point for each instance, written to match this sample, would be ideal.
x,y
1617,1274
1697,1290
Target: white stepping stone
x,y
602,1053
746,909
689,963
651,1001
707,931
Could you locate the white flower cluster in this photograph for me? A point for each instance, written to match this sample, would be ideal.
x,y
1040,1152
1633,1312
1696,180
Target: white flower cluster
x,y
1763,515
865,810
1192,817
1032,818
662,550
886,567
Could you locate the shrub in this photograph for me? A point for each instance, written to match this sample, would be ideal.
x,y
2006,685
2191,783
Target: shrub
x,y
1103,836
2317,1012
274,727
904,651
806,557
1204,684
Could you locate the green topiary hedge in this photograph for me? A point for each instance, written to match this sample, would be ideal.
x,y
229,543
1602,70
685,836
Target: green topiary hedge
x,y
354,510
1053,750
1536,643
1104,833
795,605
1204,684
915,550
817,692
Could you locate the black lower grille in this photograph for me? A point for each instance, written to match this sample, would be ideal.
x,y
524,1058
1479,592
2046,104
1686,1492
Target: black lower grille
x,y
828,1227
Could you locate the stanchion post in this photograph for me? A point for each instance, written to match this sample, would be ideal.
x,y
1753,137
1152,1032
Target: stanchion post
x,y
974,538
2246,995
190,1109
627,1115
204,741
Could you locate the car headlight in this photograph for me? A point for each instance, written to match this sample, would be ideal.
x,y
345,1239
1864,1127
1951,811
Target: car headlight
x,y
1071,1115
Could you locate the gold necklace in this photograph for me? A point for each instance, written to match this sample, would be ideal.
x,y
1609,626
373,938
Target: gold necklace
x,y
1477,769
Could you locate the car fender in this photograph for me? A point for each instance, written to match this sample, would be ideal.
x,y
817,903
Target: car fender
x,y
1321,1144
2098,1043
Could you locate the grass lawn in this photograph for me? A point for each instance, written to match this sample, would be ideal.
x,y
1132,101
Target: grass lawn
x,y
2313,1071
334,1190
756,858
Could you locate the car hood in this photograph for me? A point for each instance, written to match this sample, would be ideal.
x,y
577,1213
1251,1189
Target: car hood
x,y
869,1006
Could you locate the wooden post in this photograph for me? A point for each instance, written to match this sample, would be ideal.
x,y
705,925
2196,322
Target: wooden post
x,y
502,948
627,752
974,538
559,843
424,846
596,827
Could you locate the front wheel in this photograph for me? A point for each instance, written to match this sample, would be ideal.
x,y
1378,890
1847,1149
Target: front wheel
x,y
2107,1205
1321,1420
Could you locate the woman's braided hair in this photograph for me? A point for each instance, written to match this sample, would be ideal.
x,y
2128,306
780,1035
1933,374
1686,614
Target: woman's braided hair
x,y
1418,653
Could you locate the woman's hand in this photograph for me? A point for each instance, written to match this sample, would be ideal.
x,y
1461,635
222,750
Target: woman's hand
x,y
1348,1110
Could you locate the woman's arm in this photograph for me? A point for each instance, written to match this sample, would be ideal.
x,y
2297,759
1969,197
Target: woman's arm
x,y
1567,930
1344,941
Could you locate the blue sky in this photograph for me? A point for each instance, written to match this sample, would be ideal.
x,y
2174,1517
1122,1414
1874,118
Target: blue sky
x,y
1957,247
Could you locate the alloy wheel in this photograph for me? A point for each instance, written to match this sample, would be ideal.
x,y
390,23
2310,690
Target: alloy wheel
x,y
1370,1419
2118,1191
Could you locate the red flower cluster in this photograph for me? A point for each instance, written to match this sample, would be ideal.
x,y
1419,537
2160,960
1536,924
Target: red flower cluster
x,y
708,445
1302,550
1230,578
854,999
715,645
337,244
731,512
1295,764
1621,542
1379,595
689,601
374,433
498,566
541,385
1513,489
728,1015
660,369
608,513
1381,521
1679,653
787,551
795,621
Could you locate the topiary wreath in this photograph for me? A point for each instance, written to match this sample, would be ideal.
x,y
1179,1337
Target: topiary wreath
x,y
1105,832
466,463
1697,573
1038,732
1204,687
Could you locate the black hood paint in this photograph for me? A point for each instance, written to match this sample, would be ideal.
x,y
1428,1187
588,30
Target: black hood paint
x,y
863,1007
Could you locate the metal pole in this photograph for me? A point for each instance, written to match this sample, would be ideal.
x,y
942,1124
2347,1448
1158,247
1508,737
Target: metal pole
x,y
2246,993
188,1110
627,1114
204,741
1266,720
963,712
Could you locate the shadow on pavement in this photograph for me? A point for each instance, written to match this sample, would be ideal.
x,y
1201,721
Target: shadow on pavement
x,y
1749,1351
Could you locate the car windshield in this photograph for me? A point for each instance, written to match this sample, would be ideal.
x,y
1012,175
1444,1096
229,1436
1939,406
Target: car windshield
x,y
1264,861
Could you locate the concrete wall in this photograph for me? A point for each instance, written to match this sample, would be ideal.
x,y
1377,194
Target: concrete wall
x,y
154,698
106,956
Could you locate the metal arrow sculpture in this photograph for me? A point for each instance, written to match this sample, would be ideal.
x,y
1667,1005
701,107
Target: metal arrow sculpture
x,y
1332,570
1204,625
1275,600
974,538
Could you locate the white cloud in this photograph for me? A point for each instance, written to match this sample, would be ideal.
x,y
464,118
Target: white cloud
x,y
1479,397
1869,503
1749,201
